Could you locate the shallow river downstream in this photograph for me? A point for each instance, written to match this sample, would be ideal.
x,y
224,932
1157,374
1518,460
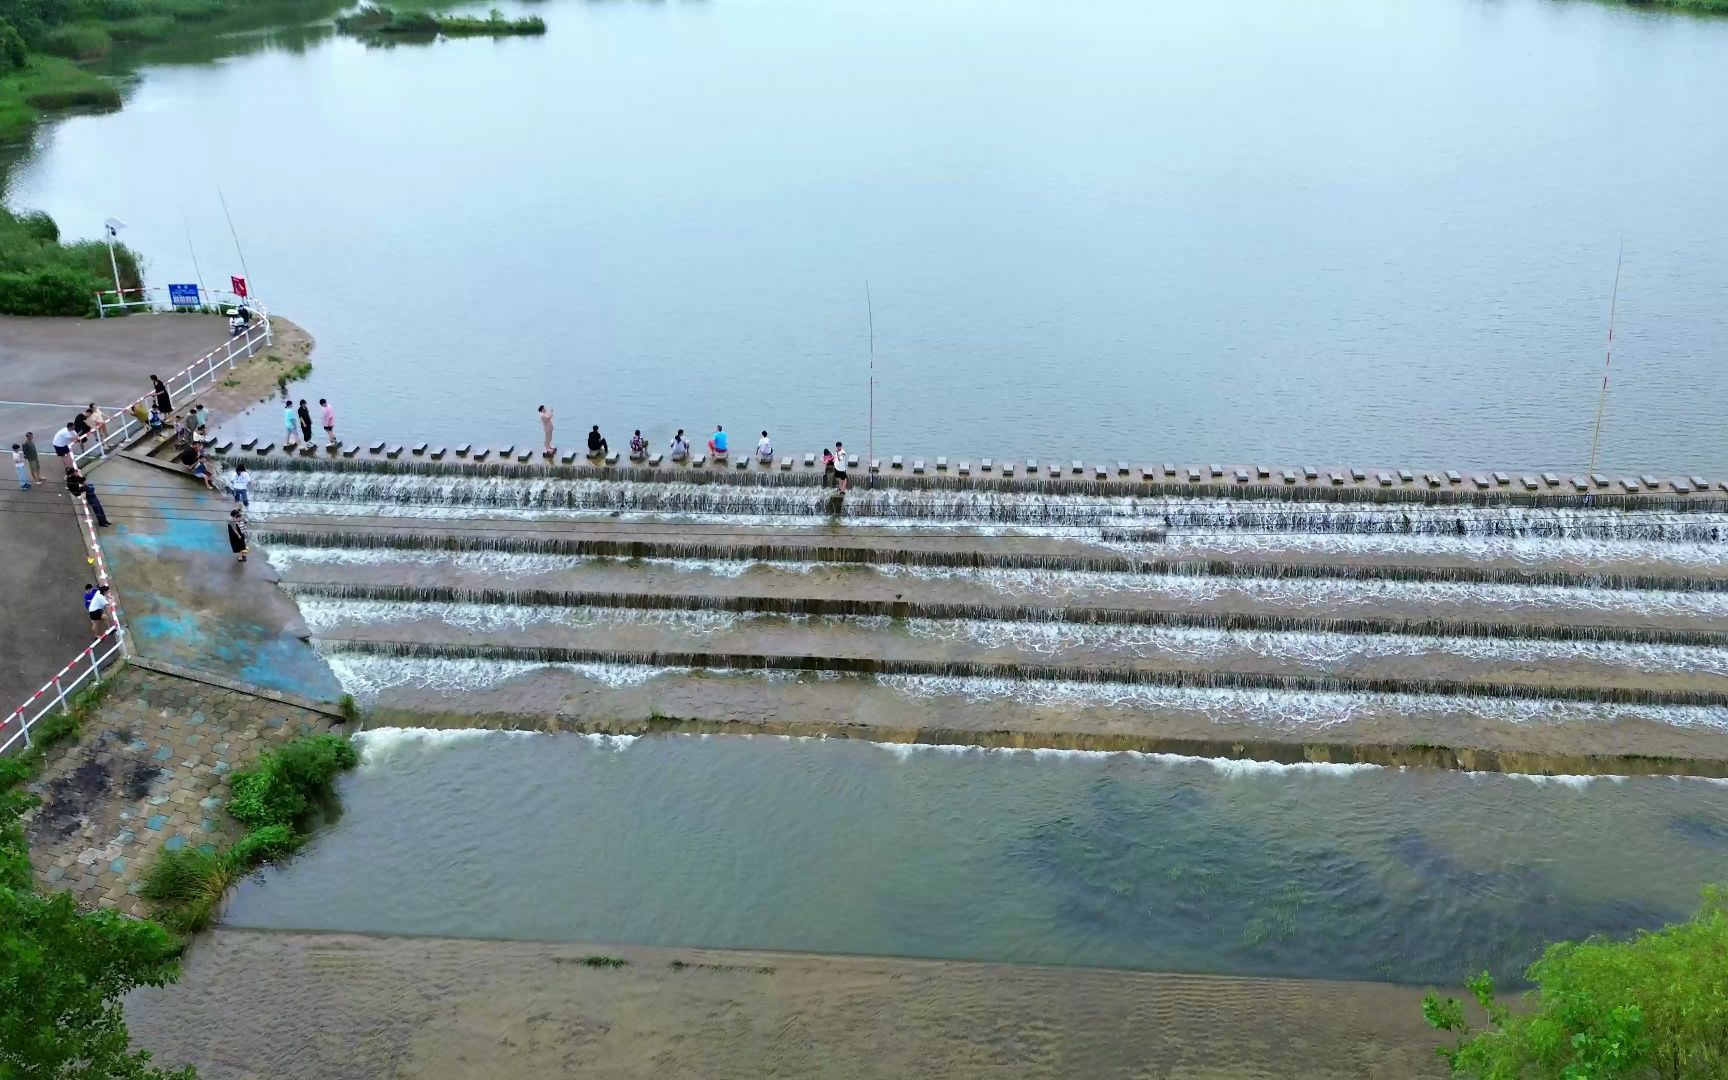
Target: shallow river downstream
x,y
1045,857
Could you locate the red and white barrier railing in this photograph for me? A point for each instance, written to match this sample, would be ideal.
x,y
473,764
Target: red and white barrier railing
x,y
52,698
87,665
123,425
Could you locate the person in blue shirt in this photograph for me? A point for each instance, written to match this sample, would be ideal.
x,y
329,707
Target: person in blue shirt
x,y
717,444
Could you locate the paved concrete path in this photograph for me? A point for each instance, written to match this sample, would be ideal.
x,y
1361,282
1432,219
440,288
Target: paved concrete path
x,y
149,773
77,361
42,577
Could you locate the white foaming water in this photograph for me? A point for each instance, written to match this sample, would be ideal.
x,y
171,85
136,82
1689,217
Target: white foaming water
x,y
378,745
1218,525
367,676
1235,767
1529,551
323,615
1061,585
1057,638
501,564
1288,710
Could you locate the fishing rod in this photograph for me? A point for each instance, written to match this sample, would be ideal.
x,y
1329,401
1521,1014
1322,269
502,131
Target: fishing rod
x,y
1608,361
870,313
250,285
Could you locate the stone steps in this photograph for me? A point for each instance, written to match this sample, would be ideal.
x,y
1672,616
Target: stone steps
x,y
1084,599
1131,655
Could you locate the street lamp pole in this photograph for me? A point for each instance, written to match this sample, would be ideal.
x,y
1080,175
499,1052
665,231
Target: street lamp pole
x,y
112,227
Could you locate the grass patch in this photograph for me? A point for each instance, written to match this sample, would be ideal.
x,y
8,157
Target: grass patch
x,y
43,83
294,374
185,886
350,710
39,275
230,382
78,41
286,784
604,962
276,797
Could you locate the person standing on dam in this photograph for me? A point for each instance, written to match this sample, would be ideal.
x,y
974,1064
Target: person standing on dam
x,y
546,429
95,505
31,457
328,416
237,535
305,415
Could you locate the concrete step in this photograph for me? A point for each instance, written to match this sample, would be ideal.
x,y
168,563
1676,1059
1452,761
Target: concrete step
x,y
1264,726
1655,566
1473,611
1131,655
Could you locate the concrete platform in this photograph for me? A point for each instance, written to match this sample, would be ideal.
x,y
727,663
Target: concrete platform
x,y
77,361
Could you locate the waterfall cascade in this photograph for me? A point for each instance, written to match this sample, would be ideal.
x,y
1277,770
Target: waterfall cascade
x,y
1249,604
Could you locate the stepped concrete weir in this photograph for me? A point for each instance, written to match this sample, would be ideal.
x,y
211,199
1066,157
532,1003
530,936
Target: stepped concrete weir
x,y
1306,617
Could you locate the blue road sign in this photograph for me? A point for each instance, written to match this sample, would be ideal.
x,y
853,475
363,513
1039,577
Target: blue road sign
x,y
183,295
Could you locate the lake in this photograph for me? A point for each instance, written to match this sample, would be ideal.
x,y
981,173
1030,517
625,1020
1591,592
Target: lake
x,y
1366,232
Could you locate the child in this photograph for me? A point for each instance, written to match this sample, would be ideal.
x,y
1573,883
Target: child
x,y
20,463
241,485
638,446
98,608
155,420
201,469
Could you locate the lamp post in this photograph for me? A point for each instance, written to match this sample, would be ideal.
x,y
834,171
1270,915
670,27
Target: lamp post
x,y
113,226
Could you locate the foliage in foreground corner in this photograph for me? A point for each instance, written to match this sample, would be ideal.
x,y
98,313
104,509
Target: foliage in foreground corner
x,y
63,972
1652,1007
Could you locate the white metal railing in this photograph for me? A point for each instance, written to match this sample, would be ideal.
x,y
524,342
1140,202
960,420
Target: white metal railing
x,y
88,664
124,301
123,424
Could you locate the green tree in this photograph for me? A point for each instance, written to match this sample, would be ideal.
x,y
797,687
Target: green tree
x,y
13,55
1652,1007
64,972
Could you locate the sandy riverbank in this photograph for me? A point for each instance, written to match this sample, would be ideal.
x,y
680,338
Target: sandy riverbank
x,y
332,1006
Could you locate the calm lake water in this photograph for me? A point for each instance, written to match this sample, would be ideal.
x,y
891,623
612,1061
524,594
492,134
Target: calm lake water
x,y
1052,857
1355,232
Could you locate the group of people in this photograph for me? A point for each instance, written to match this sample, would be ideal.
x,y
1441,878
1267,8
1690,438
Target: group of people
x,y
297,421
834,462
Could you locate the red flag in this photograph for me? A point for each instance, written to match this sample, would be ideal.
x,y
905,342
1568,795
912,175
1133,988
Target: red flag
x,y
239,286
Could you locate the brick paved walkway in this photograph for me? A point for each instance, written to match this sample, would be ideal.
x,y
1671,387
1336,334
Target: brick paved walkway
x,y
149,773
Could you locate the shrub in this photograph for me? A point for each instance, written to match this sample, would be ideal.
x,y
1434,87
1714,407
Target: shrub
x,y
184,887
283,786
80,41
12,51
47,292
268,844
143,28
1654,1006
